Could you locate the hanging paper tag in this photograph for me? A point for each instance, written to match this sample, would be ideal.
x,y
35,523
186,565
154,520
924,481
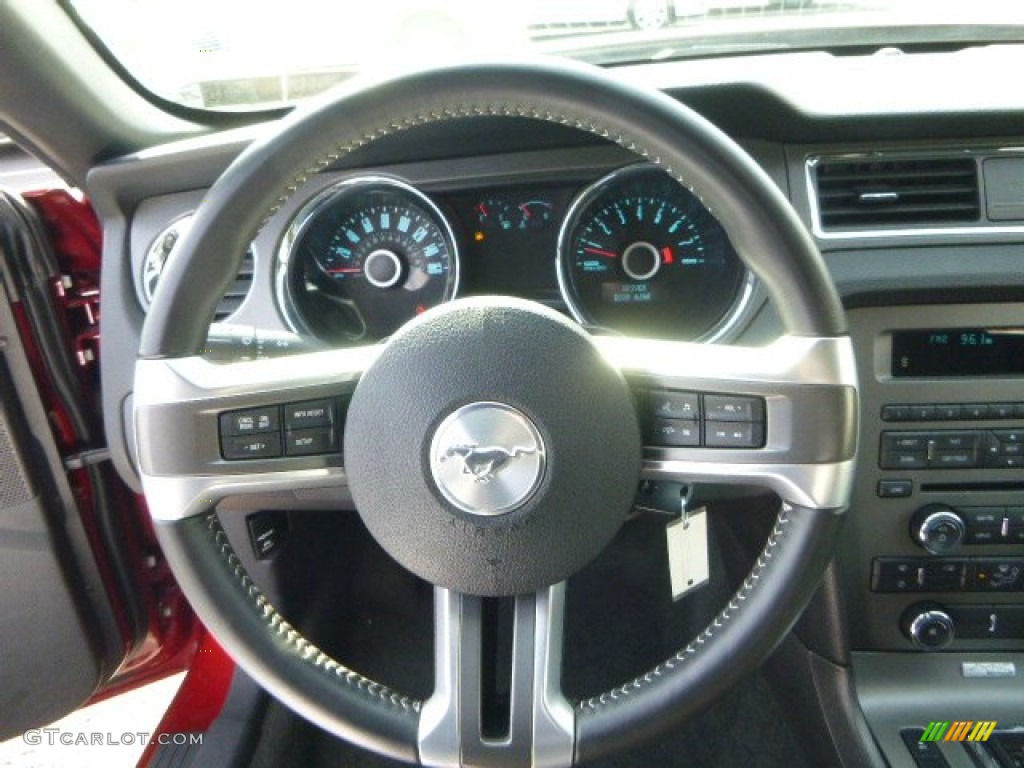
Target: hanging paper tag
x,y
688,552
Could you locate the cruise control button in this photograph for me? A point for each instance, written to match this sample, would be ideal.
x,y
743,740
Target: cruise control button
x,y
251,421
719,434
675,405
676,433
265,446
311,413
726,408
308,442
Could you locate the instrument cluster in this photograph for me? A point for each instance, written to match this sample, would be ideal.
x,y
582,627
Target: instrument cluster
x,y
632,253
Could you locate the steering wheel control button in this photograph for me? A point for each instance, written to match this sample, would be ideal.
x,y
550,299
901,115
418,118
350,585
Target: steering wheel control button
x,y
264,446
692,419
727,434
727,408
675,405
487,458
309,442
676,433
312,413
490,448
250,422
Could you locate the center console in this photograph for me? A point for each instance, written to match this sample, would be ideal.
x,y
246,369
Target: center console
x,y
933,556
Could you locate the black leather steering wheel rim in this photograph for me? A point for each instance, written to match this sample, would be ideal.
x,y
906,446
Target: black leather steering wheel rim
x,y
766,233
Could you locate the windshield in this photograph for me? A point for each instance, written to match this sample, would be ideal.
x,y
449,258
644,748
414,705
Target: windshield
x,y
255,54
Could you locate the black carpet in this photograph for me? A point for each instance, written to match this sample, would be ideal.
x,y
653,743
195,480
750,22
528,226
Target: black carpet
x,y
620,621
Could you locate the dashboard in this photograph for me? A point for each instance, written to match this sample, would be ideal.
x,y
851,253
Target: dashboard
x,y
629,252
915,206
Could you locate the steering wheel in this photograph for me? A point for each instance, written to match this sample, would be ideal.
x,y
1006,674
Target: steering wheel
x,y
555,403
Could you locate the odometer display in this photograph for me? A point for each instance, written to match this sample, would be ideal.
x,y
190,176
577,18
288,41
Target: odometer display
x,y
366,257
641,255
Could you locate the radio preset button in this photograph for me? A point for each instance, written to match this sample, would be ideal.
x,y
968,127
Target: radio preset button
x,y
1000,410
895,412
974,411
921,412
947,412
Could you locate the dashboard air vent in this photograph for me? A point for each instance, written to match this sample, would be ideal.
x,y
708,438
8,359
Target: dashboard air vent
x,y
237,291
155,258
896,192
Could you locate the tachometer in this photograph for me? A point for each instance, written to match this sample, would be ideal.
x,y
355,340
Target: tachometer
x,y
641,255
364,257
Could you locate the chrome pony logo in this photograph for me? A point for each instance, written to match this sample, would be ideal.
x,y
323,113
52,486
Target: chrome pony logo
x,y
487,458
484,463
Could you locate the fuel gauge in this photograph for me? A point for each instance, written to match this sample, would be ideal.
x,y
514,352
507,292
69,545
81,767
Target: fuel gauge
x,y
534,215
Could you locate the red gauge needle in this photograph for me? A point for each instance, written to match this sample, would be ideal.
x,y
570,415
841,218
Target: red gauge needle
x,y
344,270
599,252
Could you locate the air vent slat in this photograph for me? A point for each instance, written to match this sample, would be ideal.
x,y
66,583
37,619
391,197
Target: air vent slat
x,y
237,291
897,192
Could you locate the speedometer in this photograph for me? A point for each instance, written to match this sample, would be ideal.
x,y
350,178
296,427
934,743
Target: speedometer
x,y
363,258
641,255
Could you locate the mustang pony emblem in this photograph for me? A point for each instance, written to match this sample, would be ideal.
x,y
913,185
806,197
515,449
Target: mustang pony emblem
x,y
484,463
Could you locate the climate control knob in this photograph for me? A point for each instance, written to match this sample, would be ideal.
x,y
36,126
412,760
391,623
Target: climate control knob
x,y
937,528
928,626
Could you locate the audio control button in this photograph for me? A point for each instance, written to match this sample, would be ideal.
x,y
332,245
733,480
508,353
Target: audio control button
x,y
1000,410
953,460
895,489
895,412
983,516
937,528
955,441
904,441
974,411
921,412
904,460
983,535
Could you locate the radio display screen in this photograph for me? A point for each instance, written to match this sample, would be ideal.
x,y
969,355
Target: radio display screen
x,y
958,352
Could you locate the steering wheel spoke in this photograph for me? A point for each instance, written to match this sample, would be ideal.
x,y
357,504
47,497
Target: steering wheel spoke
x,y
205,431
539,726
781,416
